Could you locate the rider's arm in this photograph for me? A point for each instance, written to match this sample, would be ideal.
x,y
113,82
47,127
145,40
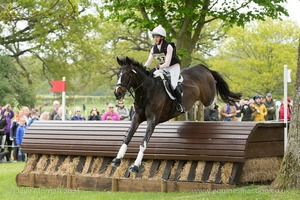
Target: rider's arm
x,y
148,62
168,57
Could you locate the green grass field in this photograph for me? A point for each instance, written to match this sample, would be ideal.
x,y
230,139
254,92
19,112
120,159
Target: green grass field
x,y
10,191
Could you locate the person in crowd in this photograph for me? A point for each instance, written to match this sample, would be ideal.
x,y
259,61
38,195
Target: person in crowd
x,y
122,111
271,108
19,137
54,110
211,113
238,107
9,113
13,131
45,116
246,110
3,125
58,116
94,115
289,110
259,109
77,116
33,113
33,117
25,113
228,111
110,114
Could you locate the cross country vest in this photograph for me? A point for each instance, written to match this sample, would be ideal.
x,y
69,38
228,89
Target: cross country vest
x,y
161,55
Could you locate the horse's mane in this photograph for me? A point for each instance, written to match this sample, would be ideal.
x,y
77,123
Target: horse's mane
x,y
131,62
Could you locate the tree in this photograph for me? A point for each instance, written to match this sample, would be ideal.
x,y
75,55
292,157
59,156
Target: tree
x,y
186,20
289,174
13,90
53,39
27,25
252,58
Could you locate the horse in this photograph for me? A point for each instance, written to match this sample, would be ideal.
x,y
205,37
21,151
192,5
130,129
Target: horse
x,y
152,104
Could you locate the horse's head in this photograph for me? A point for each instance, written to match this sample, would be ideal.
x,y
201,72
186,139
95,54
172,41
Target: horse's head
x,y
126,78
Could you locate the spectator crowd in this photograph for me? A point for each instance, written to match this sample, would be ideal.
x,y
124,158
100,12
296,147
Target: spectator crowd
x,y
13,126
257,109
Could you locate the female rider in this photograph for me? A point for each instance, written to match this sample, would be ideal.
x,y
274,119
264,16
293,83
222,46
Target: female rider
x,y
168,60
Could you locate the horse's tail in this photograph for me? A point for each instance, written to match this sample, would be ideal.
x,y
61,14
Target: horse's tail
x,y
223,88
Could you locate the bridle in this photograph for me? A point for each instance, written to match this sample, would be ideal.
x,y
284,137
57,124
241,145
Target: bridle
x,y
129,80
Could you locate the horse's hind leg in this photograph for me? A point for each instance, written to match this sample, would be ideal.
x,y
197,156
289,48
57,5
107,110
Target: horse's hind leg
x,y
134,125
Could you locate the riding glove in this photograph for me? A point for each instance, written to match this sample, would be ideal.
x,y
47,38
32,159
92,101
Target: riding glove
x,y
152,70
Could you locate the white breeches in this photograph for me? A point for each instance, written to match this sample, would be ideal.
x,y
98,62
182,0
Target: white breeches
x,y
174,72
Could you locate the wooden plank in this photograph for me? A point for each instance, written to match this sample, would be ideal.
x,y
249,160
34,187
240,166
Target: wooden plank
x,y
167,170
104,164
81,163
136,142
267,134
206,171
91,183
59,162
219,173
155,152
146,156
236,173
192,172
264,149
37,160
154,168
179,169
138,185
151,147
91,165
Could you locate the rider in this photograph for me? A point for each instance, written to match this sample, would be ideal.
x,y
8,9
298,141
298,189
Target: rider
x,y
168,61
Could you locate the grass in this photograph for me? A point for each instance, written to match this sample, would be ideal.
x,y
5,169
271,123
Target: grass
x,y
10,191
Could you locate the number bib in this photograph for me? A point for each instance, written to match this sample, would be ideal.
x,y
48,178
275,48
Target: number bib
x,y
161,57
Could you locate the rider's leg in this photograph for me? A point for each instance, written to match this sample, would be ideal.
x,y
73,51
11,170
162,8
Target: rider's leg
x,y
175,72
179,94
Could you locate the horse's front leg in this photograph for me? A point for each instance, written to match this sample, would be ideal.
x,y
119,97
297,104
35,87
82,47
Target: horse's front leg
x,y
133,127
150,128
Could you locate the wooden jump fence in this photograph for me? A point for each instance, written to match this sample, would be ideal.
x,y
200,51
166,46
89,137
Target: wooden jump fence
x,y
181,156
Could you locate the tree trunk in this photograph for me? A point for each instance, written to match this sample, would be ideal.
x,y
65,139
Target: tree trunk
x,y
185,50
289,173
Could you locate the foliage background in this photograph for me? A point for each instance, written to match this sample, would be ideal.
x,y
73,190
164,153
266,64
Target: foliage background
x,y
80,40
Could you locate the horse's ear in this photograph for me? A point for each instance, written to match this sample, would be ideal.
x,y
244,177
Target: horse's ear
x,y
119,61
128,60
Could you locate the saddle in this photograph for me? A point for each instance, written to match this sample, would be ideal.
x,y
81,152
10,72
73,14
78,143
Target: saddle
x,y
166,78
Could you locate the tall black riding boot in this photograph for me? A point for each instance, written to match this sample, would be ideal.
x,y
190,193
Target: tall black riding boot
x,y
178,94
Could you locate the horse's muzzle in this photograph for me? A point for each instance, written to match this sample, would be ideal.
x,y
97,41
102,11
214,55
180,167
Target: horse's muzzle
x,y
119,92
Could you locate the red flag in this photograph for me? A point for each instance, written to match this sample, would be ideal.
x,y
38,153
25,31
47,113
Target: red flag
x,y
58,86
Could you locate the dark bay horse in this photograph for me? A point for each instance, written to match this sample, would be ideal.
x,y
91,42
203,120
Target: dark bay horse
x,y
152,104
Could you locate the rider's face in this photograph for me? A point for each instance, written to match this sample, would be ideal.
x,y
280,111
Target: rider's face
x,y
157,39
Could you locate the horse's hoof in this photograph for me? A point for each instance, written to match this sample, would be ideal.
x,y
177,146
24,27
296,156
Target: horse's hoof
x,y
116,162
134,169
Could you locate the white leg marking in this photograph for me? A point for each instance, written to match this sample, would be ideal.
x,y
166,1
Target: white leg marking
x,y
122,151
140,156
